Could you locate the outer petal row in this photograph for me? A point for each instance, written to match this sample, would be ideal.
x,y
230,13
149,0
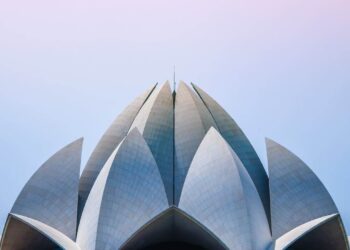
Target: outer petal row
x,y
155,122
51,194
219,193
297,195
26,233
239,142
192,121
131,193
107,144
322,233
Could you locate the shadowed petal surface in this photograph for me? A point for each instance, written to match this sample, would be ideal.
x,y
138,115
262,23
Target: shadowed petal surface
x,y
26,233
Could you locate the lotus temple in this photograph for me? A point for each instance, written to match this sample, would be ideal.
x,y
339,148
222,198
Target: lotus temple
x,y
174,171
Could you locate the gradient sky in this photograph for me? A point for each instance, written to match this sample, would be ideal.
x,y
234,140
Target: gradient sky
x,y
280,68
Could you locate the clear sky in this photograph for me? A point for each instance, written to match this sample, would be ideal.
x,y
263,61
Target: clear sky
x,y
281,68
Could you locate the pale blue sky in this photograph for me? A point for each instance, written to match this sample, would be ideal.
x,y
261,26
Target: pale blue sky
x,y
281,68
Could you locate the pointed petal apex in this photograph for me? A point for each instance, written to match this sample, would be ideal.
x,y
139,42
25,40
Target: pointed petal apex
x,y
107,144
192,122
240,144
217,175
271,143
156,124
53,188
132,176
290,177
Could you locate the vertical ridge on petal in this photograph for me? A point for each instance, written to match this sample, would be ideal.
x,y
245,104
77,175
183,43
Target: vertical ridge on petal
x,y
259,222
297,195
51,194
192,121
155,122
133,193
239,142
107,144
87,231
217,179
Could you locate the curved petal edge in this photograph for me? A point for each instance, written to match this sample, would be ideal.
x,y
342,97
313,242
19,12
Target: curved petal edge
x,y
297,195
53,188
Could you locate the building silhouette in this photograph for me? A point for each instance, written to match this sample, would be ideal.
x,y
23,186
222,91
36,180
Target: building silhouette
x,y
174,171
